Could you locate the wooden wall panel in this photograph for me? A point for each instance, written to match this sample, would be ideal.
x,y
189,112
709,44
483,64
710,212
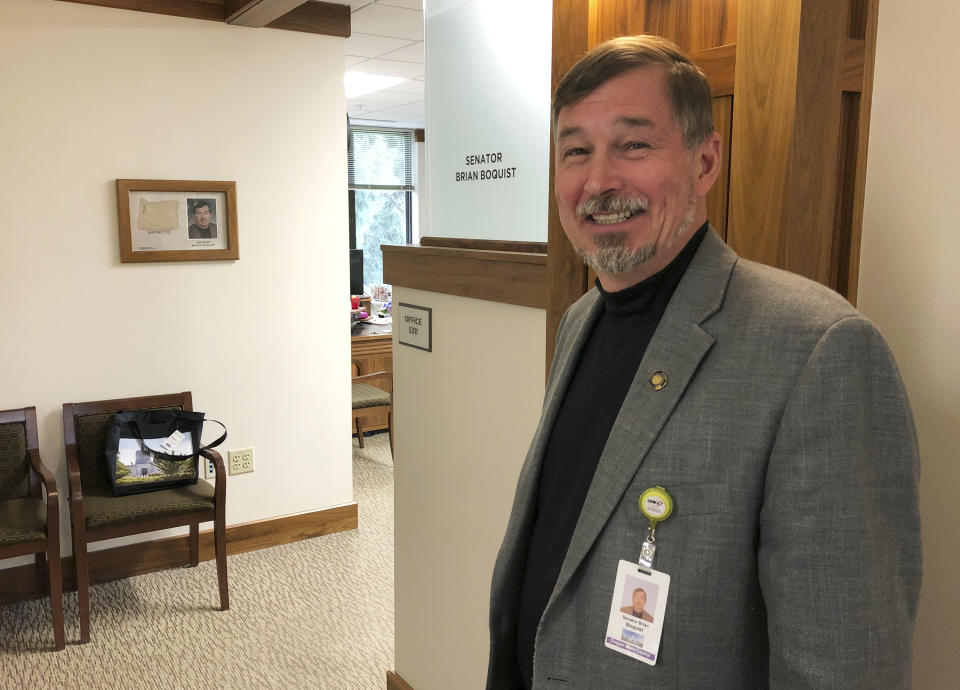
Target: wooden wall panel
x,y
843,223
859,18
763,112
566,276
693,24
863,129
786,134
810,208
609,18
719,197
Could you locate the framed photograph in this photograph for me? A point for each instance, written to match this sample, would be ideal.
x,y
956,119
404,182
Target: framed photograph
x,y
177,220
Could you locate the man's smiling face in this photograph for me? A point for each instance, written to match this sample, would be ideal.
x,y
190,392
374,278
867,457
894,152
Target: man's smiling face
x,y
628,191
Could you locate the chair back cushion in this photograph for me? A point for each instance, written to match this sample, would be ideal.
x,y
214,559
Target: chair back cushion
x,y
14,466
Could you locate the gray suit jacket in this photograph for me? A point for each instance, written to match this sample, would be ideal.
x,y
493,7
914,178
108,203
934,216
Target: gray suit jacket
x,y
785,437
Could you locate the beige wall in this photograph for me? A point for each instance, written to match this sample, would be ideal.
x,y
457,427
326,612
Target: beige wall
x,y
910,285
465,414
93,94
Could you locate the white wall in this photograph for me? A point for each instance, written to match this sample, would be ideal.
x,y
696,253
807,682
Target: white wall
x,y
465,414
910,285
93,94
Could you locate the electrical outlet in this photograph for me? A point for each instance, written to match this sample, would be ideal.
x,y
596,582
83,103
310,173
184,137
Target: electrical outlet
x,y
240,460
209,469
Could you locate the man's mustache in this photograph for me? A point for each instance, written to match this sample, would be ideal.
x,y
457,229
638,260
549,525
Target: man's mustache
x,y
611,204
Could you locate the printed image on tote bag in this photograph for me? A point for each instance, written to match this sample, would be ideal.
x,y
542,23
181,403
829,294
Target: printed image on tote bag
x,y
136,464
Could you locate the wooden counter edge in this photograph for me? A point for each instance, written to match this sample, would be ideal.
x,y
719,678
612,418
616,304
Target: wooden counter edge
x,y
518,278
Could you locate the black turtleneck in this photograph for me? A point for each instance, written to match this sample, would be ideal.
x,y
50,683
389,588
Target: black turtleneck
x,y
603,375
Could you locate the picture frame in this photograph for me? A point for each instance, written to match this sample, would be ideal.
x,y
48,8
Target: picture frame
x,y
177,220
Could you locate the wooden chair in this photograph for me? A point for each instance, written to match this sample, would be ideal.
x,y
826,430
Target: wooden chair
x,y
97,514
370,401
28,522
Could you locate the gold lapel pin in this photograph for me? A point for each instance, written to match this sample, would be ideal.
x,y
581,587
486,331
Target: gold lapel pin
x,y
657,381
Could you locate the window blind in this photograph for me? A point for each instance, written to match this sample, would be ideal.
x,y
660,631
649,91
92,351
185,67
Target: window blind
x,y
380,159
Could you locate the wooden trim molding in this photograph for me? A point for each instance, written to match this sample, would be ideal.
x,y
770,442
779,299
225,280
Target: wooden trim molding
x,y
510,277
719,65
120,562
854,62
863,140
256,13
192,9
314,17
395,682
495,245
310,16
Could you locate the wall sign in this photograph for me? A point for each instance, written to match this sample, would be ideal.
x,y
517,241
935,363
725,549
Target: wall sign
x,y
413,326
486,168
488,105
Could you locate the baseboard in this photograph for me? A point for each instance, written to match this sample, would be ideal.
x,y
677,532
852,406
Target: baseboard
x,y
395,682
22,582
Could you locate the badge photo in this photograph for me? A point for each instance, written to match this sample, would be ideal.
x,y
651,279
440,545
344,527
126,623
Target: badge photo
x,y
637,612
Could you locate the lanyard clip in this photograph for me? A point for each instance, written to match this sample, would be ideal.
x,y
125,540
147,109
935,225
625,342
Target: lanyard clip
x,y
649,547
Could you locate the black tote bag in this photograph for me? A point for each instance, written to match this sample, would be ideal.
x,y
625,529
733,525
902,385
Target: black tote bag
x,y
147,450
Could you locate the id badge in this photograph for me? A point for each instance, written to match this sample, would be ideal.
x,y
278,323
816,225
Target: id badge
x,y
637,612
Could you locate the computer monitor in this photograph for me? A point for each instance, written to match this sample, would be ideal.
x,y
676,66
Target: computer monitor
x,y
356,271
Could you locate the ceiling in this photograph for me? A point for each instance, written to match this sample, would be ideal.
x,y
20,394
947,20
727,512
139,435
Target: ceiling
x,y
387,39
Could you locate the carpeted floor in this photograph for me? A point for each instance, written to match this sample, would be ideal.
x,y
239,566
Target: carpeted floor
x,y
315,614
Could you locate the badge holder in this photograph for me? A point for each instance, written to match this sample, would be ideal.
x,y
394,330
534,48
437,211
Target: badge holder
x,y
640,593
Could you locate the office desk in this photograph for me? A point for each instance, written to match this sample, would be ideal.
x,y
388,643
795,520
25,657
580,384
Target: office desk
x,y
373,348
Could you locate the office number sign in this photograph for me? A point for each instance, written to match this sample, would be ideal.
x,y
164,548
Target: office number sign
x,y
414,326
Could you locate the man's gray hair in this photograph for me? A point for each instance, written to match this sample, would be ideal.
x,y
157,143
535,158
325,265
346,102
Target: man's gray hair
x,y
687,88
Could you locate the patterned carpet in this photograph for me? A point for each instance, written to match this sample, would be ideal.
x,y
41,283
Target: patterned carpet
x,y
315,614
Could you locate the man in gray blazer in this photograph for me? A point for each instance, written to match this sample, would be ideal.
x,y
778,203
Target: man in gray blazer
x,y
767,407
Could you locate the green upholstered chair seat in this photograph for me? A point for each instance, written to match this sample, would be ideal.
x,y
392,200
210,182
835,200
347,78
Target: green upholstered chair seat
x,y
22,520
102,509
365,395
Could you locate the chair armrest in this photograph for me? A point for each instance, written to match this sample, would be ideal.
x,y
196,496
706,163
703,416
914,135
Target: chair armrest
x,y
368,378
46,476
220,480
73,473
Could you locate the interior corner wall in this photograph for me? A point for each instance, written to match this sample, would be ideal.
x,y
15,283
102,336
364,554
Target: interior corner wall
x,y
464,417
909,285
93,94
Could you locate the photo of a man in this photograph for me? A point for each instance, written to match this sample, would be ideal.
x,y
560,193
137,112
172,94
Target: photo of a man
x,y
636,609
203,213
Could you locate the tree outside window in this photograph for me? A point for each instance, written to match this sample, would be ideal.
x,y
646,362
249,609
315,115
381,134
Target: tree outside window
x,y
380,167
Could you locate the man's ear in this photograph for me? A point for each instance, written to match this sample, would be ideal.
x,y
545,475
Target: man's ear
x,y
707,158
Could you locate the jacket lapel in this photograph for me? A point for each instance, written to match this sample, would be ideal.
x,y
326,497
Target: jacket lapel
x,y
676,349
